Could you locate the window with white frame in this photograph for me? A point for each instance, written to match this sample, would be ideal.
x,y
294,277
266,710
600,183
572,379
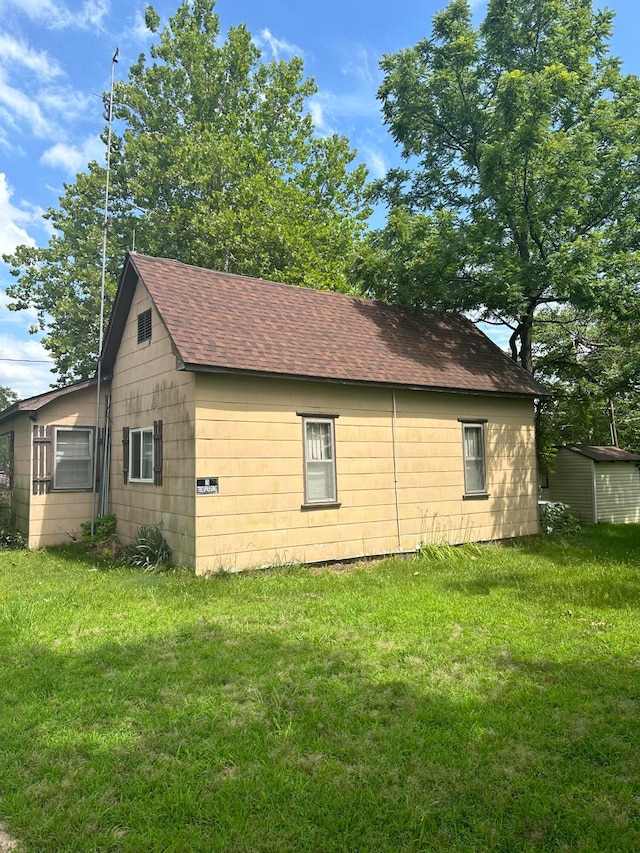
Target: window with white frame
x,y
141,455
475,478
319,460
73,458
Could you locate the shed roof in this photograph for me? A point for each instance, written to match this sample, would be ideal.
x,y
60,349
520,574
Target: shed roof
x,y
603,453
231,323
34,404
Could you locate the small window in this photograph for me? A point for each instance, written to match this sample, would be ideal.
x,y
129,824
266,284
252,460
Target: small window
x,y
319,461
141,455
475,481
73,459
144,326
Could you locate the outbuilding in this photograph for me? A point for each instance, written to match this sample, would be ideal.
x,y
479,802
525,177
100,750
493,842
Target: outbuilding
x,y
598,483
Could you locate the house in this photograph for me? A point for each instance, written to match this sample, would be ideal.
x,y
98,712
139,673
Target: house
x,y
599,483
261,423
51,494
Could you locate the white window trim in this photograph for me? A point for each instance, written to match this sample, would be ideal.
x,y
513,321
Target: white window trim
x,y
332,501
89,458
140,431
474,425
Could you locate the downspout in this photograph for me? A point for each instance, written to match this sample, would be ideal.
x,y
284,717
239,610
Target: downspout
x,y
595,493
394,424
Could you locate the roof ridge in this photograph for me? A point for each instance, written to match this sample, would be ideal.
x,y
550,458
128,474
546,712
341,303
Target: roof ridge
x,y
224,321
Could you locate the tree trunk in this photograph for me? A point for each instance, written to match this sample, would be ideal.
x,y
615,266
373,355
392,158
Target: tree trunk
x,y
521,343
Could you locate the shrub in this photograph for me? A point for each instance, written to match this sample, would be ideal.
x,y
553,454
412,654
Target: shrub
x,y
556,518
150,551
104,529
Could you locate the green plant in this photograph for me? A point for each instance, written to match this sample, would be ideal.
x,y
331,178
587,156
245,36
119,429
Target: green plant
x,y
556,518
150,551
104,529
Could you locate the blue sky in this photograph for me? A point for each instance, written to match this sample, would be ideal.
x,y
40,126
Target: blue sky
x,y
55,61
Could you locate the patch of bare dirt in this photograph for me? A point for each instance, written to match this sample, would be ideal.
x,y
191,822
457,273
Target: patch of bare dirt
x,y
7,843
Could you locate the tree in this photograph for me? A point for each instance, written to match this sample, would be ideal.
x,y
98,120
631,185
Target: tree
x,y
7,397
216,164
522,178
591,361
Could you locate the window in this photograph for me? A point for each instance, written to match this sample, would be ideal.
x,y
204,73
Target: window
x,y
319,461
475,481
73,459
144,326
141,455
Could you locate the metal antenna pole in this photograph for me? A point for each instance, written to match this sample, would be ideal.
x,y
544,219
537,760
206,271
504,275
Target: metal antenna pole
x,y
105,227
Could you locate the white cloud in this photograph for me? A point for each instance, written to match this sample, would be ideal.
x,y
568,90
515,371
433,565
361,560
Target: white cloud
x,y
18,106
56,15
357,96
139,31
12,220
66,103
16,52
317,114
29,376
72,158
279,47
357,65
28,316
333,107
32,100
375,161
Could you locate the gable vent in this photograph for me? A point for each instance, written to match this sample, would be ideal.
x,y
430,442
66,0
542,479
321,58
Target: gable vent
x,y
144,326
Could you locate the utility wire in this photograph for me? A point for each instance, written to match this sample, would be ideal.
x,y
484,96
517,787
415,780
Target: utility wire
x,y
30,360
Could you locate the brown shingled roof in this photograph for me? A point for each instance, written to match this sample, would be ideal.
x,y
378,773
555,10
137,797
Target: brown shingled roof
x,y
224,322
604,453
33,404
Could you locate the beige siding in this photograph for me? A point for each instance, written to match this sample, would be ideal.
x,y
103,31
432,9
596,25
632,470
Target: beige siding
x,y
618,492
55,516
572,483
145,387
250,436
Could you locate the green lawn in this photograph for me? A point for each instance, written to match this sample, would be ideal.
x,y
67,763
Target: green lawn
x,y
483,702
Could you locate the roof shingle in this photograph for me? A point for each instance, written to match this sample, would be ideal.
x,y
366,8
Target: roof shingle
x,y
219,321
604,453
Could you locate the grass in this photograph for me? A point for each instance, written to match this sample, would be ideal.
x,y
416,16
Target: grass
x,y
487,701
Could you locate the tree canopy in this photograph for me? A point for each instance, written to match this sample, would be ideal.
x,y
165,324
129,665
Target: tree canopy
x,y
7,397
215,162
591,361
521,189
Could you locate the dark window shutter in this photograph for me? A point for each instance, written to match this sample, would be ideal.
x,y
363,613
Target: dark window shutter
x,y
125,454
98,455
42,459
157,453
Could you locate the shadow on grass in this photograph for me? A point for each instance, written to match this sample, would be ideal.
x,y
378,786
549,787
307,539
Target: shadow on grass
x,y
216,740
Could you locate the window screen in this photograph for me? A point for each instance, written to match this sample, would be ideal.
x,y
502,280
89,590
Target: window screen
x,y
141,455
474,462
73,459
320,467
